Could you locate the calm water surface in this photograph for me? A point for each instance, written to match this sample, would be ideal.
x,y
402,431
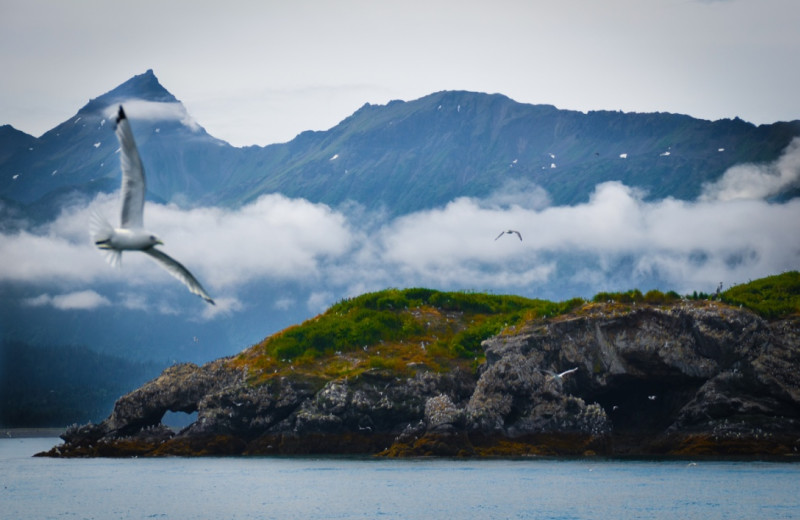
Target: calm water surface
x,y
330,488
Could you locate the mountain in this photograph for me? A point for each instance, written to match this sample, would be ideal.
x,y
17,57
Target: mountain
x,y
407,156
13,141
79,156
420,372
282,260
400,157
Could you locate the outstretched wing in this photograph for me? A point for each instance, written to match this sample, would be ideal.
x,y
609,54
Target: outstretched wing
x,y
519,235
501,234
133,183
177,270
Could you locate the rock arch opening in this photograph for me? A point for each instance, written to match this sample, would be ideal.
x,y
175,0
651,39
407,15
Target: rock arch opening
x,y
178,420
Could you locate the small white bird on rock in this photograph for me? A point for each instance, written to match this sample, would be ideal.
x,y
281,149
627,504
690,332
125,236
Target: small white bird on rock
x,y
131,236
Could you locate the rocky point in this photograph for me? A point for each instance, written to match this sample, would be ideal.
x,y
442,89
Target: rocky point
x,y
692,378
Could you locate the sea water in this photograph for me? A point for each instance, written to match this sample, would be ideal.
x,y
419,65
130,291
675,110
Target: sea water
x,y
366,488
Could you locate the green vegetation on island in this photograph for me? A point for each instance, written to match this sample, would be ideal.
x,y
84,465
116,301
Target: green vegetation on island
x,y
773,297
402,330
395,330
405,373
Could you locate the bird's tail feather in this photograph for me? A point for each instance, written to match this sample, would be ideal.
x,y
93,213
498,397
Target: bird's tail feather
x,y
114,257
100,229
101,232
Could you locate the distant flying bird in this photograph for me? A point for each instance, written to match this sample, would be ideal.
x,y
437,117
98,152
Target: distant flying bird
x,y
131,236
509,232
560,377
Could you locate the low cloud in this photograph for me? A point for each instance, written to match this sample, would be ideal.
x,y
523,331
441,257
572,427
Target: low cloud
x,y
319,301
139,109
283,303
615,241
684,244
30,257
80,300
224,306
754,181
273,238
518,192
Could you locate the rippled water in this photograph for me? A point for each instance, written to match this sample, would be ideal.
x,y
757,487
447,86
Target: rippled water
x,y
329,488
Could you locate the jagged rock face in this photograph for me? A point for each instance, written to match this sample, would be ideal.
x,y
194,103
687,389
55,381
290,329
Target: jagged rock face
x,y
698,378
180,388
377,402
659,376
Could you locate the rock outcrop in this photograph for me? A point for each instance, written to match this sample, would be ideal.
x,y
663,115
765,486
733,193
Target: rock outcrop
x,y
688,379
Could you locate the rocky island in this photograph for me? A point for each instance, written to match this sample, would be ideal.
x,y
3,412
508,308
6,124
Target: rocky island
x,y
418,372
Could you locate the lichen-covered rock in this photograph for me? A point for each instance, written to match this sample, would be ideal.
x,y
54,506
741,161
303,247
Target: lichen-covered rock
x,y
696,378
441,414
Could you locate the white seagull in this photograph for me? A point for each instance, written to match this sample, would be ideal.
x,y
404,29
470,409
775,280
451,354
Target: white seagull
x,y
560,377
509,232
131,236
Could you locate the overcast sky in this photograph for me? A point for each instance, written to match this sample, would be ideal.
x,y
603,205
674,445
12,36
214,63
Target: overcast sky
x,y
261,72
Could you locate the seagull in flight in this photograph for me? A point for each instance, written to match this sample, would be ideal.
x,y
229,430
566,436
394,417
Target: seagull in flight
x,y
131,236
560,377
509,232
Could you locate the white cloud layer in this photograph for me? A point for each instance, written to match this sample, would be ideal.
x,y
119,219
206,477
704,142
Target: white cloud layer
x,y
154,111
615,241
754,181
80,300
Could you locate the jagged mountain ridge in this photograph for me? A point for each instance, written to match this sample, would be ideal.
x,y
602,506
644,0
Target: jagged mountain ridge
x,y
424,153
402,157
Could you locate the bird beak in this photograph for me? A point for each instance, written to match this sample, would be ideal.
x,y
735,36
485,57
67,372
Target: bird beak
x,y
159,242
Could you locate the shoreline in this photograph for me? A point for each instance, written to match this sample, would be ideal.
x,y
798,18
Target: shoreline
x,y
25,433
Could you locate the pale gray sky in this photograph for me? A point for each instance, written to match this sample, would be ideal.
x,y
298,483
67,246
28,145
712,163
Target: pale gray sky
x,y
261,72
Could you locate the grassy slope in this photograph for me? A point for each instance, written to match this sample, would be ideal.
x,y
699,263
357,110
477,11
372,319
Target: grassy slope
x,y
395,330
402,331
772,297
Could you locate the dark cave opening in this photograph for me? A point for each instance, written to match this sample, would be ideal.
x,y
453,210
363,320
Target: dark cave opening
x,y
637,405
